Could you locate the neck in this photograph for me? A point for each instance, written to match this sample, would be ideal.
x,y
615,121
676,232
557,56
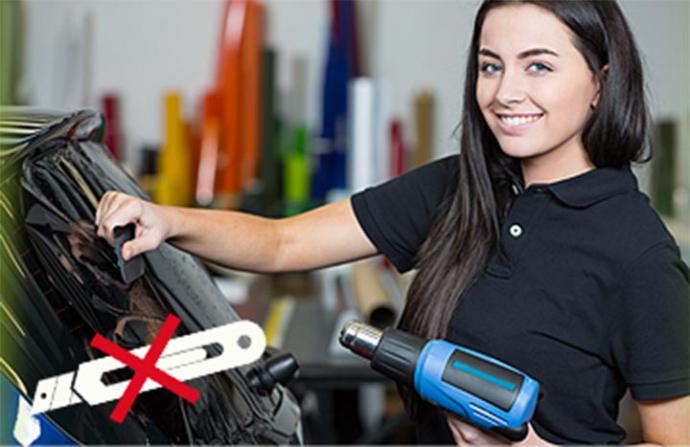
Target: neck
x,y
554,166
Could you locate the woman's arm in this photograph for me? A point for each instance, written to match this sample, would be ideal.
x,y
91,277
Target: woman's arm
x,y
324,236
665,421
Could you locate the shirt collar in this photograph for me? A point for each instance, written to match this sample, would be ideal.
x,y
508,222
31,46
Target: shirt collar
x,y
586,189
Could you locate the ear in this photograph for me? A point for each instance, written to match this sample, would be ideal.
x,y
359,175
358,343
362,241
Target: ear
x,y
604,71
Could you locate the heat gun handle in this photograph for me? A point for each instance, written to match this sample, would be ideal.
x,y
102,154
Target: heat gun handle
x,y
487,392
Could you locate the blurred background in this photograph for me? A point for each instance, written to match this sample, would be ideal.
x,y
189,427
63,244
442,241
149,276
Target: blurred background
x,y
278,106
233,100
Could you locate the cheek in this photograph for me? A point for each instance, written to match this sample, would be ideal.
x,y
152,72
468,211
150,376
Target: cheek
x,y
484,93
567,99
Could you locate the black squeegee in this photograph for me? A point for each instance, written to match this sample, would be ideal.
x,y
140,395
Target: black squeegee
x,y
134,268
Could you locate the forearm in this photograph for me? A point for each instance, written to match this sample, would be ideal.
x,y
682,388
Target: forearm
x,y
321,237
233,239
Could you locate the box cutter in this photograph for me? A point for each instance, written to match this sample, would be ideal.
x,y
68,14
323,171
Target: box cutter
x,y
184,358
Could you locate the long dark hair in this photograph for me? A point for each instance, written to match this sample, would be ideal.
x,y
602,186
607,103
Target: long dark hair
x,y
466,230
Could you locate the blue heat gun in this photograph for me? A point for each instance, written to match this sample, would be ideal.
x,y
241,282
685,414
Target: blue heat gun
x,y
479,389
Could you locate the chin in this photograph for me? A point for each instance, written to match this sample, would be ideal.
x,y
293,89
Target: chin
x,y
518,151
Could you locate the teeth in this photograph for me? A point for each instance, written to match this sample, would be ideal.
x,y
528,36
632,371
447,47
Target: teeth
x,y
516,121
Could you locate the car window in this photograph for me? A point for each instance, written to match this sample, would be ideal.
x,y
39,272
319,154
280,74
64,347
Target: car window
x,y
64,286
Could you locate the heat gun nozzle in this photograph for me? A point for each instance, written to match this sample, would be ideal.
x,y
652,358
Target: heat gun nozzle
x,y
393,353
360,338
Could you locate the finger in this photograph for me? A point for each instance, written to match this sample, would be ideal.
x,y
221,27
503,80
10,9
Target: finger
x,y
532,437
147,242
471,434
456,434
116,205
122,210
452,424
119,217
109,201
105,209
474,435
102,206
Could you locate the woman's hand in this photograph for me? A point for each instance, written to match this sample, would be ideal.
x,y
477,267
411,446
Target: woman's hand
x,y
117,209
466,434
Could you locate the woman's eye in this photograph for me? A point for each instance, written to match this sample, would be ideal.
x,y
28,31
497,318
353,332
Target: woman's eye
x,y
489,68
540,67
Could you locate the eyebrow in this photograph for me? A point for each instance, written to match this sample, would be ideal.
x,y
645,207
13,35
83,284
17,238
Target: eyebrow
x,y
523,55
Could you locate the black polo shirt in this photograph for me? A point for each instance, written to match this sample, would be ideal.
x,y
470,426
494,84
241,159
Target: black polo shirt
x,y
590,296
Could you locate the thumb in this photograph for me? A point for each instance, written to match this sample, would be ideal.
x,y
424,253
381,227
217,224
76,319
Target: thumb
x,y
139,245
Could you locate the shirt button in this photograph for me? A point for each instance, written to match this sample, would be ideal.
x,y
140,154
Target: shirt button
x,y
515,230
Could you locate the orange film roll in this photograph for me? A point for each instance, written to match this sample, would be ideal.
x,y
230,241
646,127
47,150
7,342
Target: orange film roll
x,y
208,157
229,88
252,44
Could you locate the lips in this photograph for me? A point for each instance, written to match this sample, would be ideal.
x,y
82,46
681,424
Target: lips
x,y
515,124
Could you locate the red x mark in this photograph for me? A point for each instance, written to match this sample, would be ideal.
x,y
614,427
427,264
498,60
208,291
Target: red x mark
x,y
145,368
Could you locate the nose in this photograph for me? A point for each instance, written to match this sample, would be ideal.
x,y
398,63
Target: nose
x,y
511,89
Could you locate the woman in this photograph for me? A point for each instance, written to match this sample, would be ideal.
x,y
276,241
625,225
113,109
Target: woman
x,y
533,245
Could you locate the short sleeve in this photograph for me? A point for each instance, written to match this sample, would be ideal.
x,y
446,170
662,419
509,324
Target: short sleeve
x,y
396,215
651,344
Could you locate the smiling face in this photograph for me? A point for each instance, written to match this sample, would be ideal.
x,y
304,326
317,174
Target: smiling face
x,y
534,89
